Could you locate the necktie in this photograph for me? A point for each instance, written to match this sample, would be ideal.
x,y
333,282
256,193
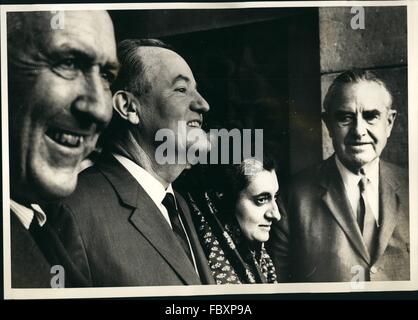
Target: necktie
x,y
366,220
34,227
170,205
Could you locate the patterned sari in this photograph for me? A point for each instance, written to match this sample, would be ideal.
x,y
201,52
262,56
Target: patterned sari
x,y
231,259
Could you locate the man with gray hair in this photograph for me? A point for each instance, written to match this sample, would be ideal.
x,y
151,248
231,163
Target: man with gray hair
x,y
59,102
348,218
128,226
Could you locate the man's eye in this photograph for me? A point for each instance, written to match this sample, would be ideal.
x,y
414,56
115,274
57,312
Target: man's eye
x,y
181,89
371,117
108,77
67,68
68,63
344,118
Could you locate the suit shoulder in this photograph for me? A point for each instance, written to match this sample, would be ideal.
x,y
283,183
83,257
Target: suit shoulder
x,y
306,177
89,173
395,174
91,185
394,169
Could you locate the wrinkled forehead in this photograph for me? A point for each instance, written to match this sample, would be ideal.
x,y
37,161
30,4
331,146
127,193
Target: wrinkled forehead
x,y
90,31
162,62
365,94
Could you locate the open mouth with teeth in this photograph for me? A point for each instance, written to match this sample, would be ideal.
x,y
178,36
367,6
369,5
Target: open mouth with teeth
x,y
65,138
194,124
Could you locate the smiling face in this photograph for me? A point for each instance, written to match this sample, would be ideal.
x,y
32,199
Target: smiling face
x,y
256,206
59,100
172,98
360,122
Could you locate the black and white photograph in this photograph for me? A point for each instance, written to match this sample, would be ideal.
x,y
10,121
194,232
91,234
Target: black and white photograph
x,y
184,149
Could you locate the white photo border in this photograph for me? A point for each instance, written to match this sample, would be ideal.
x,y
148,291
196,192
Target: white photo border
x,y
204,290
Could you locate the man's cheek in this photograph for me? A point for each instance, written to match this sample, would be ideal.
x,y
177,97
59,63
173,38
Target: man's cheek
x,y
91,144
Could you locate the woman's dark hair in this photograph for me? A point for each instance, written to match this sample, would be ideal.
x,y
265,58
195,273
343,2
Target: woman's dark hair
x,y
237,177
228,180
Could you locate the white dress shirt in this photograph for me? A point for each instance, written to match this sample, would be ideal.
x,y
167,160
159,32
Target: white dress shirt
x,y
151,185
25,214
351,184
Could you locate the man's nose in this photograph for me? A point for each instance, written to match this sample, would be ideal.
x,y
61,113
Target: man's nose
x,y
199,103
360,127
95,99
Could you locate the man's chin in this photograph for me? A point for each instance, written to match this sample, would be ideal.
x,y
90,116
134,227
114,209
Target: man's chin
x,y
356,163
54,186
203,145
200,141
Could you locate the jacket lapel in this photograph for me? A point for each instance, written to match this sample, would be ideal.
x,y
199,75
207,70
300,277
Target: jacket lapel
x,y
336,200
147,218
388,207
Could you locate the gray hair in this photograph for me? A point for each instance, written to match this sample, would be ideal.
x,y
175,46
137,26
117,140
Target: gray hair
x,y
352,77
131,77
132,74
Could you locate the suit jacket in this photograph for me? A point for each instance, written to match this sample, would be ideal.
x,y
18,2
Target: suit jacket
x,y
117,236
29,267
34,254
319,240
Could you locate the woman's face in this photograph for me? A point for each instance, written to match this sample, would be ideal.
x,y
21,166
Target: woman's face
x,y
256,206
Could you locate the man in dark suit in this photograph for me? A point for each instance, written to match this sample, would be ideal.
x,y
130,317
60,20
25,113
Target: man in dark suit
x,y
59,67
124,224
348,218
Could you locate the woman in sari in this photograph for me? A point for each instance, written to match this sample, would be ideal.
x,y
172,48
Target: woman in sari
x,y
233,218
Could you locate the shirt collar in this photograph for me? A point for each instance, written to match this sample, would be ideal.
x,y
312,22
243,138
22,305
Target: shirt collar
x,y
26,214
170,190
349,178
151,185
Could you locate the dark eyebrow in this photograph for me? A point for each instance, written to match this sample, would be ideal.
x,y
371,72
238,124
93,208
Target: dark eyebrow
x,y
112,66
373,112
66,49
181,77
340,112
85,54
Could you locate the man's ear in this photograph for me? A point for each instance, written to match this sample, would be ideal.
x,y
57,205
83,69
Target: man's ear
x,y
127,105
391,119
